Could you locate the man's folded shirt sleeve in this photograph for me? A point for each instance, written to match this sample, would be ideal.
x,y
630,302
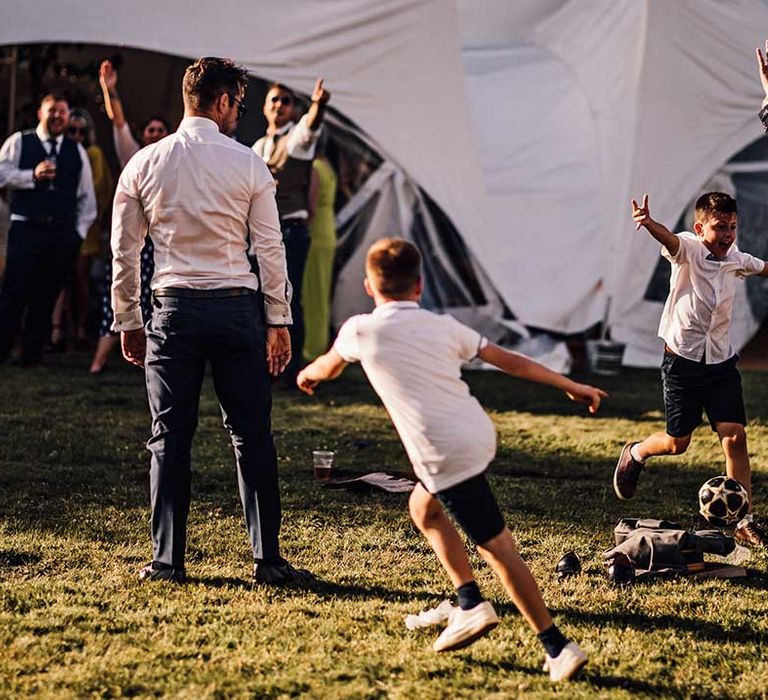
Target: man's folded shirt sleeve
x,y
129,228
11,175
267,245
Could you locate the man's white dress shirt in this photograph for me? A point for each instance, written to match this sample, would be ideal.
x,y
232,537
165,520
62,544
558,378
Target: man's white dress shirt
x,y
199,195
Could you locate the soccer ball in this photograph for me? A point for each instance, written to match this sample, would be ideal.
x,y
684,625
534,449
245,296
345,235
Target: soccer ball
x,y
723,501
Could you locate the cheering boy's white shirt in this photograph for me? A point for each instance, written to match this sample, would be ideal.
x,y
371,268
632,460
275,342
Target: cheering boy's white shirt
x,y
200,215
696,320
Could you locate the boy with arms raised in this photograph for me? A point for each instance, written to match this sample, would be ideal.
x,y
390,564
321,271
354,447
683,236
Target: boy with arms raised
x,y
413,359
699,367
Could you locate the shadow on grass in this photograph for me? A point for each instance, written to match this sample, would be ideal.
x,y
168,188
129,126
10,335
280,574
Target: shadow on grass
x,y
507,666
701,629
586,677
12,558
323,588
561,491
631,685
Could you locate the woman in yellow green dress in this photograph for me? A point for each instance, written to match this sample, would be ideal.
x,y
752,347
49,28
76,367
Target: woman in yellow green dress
x,y
81,129
318,274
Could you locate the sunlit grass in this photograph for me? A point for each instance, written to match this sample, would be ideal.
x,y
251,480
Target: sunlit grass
x,y
75,622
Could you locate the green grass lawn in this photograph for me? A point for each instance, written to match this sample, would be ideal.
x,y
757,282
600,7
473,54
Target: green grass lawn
x,y
74,530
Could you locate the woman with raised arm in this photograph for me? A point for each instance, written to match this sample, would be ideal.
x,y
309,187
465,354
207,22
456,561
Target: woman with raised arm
x,y
126,146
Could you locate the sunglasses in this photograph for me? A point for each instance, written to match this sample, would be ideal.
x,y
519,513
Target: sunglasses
x,y
242,110
77,131
282,99
155,129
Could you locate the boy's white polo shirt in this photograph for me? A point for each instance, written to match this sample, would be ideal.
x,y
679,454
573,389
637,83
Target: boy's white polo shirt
x,y
413,359
696,320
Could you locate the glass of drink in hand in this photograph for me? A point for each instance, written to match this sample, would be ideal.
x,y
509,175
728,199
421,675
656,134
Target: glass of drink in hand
x,y
51,160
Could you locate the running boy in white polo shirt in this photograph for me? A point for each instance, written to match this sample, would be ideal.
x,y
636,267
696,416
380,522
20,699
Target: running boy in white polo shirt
x,y
699,367
413,359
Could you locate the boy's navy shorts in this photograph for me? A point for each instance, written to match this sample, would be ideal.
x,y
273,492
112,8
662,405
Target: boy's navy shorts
x,y
692,387
473,506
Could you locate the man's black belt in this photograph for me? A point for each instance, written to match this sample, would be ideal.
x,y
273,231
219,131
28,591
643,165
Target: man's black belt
x,y
186,293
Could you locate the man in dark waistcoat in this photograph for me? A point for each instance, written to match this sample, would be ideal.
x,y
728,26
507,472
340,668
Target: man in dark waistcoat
x,y
52,204
289,149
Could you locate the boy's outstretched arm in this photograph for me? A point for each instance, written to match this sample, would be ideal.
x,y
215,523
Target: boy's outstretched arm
x,y
525,368
325,367
641,215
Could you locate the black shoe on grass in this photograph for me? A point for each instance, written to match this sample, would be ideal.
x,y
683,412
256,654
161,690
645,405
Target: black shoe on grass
x,y
279,572
156,571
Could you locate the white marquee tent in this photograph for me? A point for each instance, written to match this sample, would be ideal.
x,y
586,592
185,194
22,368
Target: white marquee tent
x,y
528,123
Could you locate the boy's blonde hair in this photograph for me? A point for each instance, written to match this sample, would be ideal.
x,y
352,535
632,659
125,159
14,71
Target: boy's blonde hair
x,y
393,266
713,203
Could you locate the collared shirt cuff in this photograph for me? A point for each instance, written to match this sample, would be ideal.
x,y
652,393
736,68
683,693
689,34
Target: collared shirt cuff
x,y
763,114
278,315
127,321
27,181
82,231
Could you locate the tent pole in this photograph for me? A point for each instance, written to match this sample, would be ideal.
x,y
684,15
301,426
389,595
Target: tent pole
x,y
604,324
12,90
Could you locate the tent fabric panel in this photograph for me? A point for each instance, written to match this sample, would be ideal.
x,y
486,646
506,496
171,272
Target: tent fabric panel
x,y
394,68
536,141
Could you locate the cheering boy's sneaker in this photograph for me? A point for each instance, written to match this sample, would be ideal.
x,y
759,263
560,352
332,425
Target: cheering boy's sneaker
x,y
566,664
465,626
627,474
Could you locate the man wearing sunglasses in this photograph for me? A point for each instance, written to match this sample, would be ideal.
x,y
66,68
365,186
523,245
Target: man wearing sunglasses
x,y
52,205
289,149
202,196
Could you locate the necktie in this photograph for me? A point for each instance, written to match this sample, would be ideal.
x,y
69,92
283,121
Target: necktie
x,y
275,139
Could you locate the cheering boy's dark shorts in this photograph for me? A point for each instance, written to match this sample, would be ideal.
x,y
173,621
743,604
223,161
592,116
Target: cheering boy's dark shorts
x,y
692,387
473,506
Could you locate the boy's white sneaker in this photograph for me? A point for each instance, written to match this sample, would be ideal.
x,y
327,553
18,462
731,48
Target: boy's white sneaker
x,y
566,664
465,626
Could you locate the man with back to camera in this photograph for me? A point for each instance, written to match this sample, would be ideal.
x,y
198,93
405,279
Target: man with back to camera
x,y
52,205
289,149
201,196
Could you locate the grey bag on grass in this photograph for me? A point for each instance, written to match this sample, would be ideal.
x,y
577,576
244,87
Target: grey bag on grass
x,y
660,545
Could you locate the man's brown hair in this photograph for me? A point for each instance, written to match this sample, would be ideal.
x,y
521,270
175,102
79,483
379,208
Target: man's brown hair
x,y
713,203
209,77
281,87
394,267
54,97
